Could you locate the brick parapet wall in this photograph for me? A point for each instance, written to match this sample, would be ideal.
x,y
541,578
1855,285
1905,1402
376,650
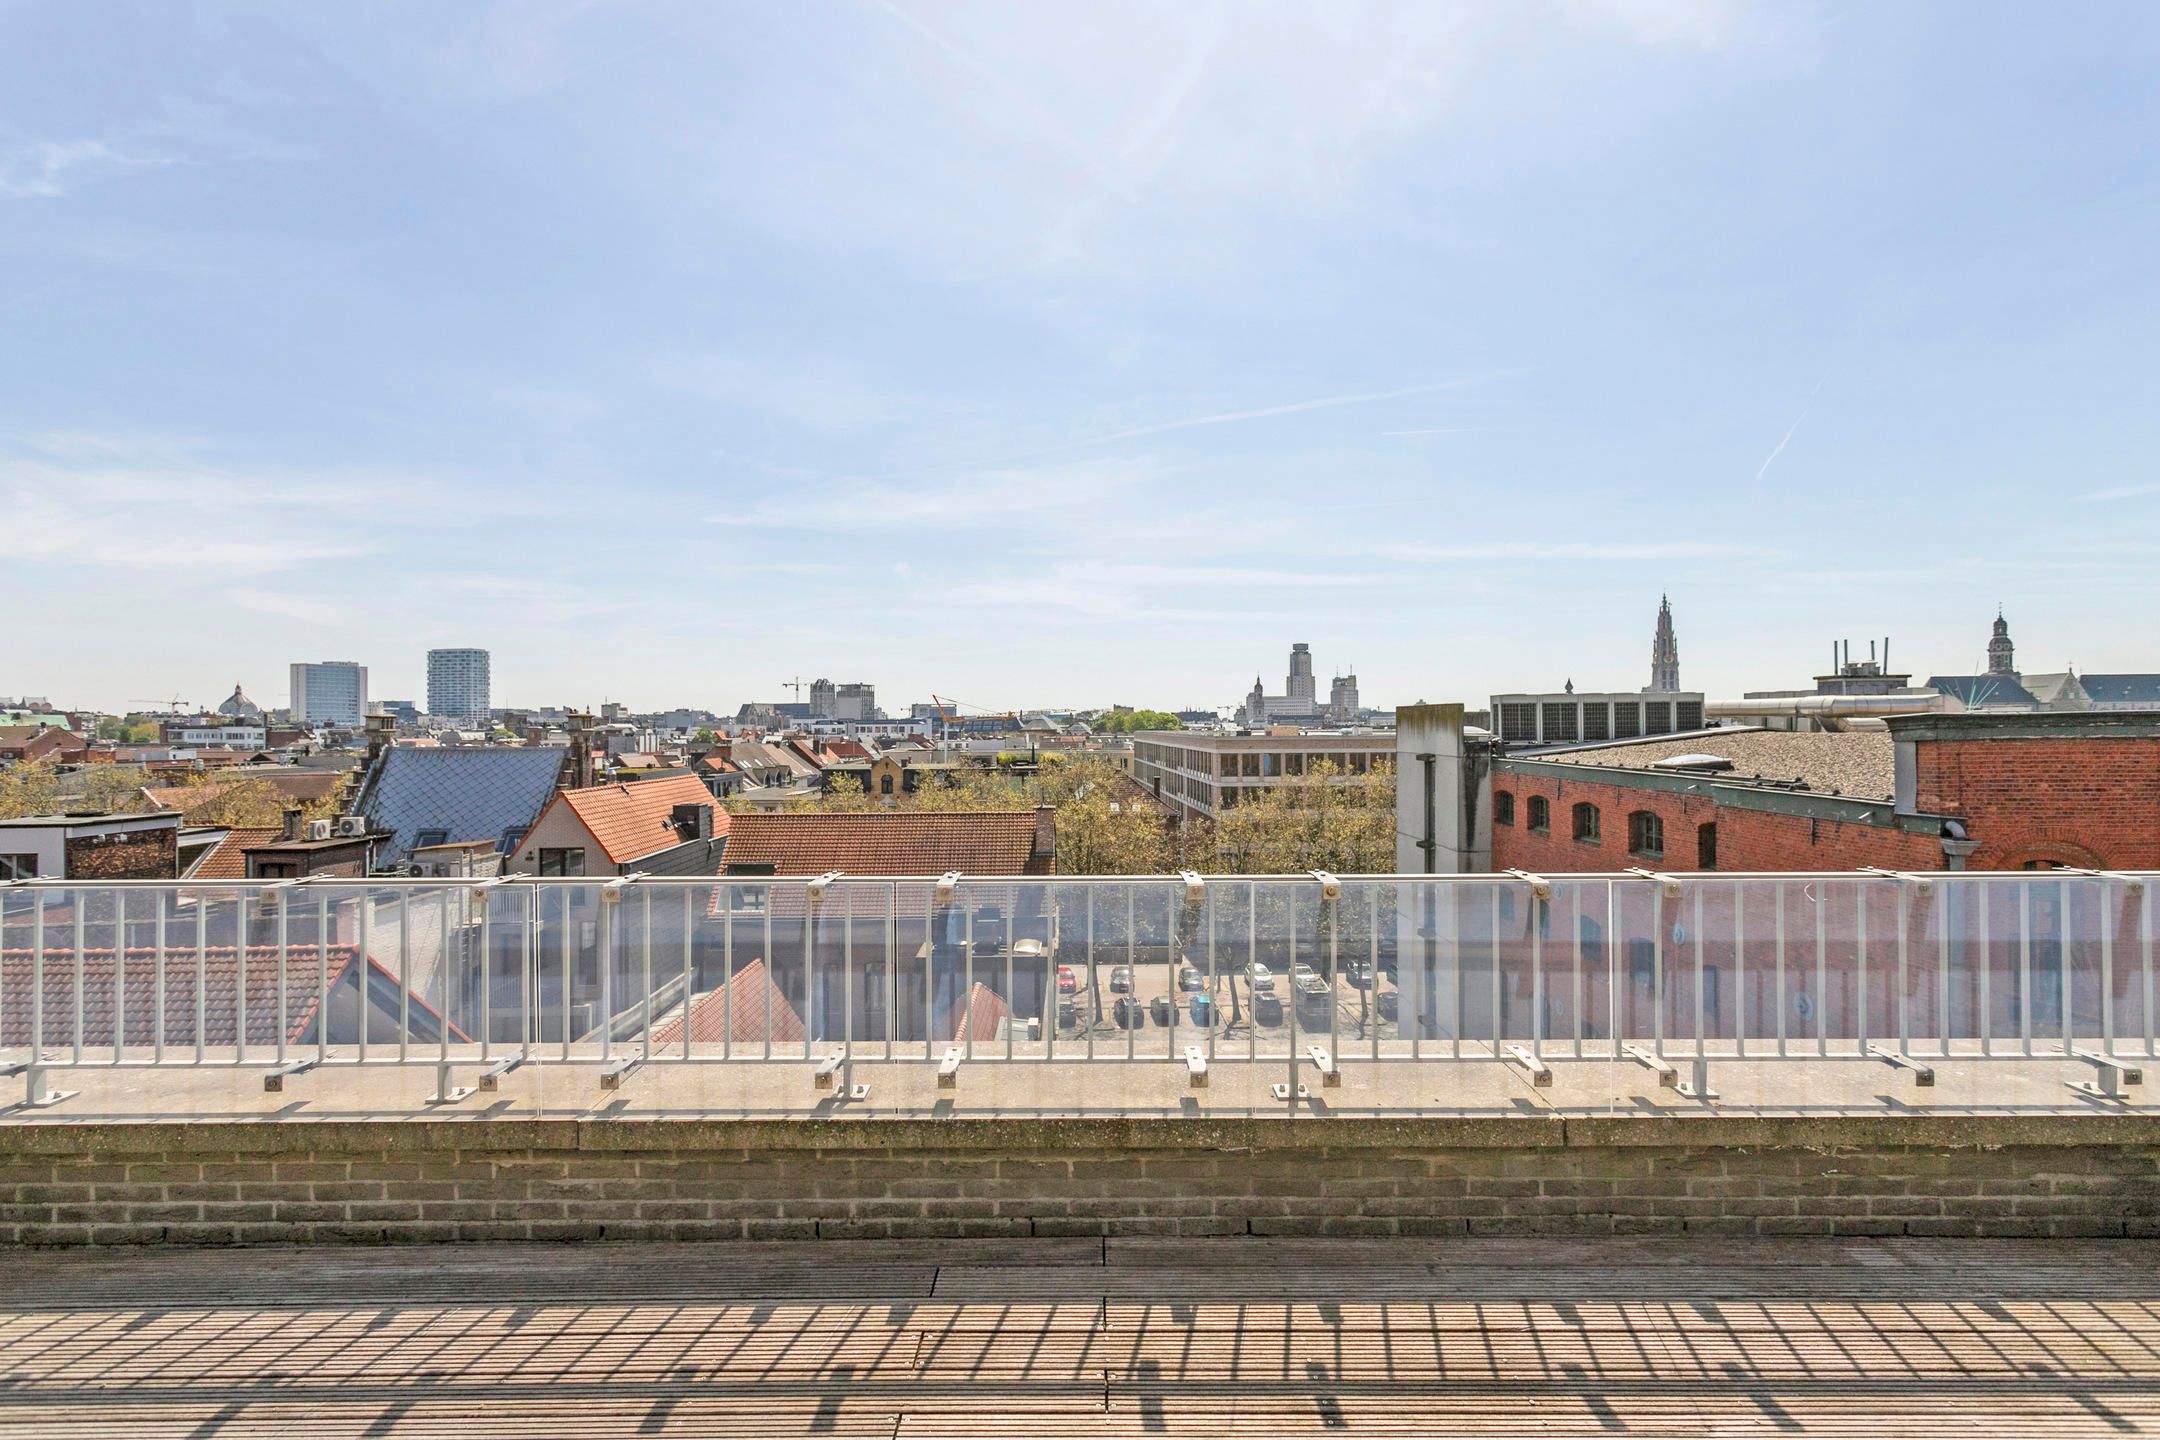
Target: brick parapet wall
x,y
2086,801
1747,840
372,1182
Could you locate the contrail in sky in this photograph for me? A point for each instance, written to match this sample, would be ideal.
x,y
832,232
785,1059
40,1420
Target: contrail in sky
x,y
1790,433
1330,402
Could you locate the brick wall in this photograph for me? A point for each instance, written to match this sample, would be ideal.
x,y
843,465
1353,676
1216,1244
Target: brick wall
x,y
1746,839
2089,801
690,1180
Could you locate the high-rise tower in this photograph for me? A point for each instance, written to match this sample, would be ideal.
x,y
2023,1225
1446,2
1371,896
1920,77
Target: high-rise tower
x,y
1299,684
1664,652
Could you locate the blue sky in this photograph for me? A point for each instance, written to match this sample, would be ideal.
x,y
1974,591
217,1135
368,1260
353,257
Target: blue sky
x,y
1071,354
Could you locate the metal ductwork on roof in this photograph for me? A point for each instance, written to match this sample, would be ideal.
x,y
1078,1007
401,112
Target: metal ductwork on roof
x,y
1826,712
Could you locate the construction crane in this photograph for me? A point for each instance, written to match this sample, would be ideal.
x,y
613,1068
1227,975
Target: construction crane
x,y
944,722
175,705
796,685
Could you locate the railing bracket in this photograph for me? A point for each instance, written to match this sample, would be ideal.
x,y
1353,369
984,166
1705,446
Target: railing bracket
x,y
1196,1067
445,1092
1670,882
948,1070
1921,1074
1540,887
821,1075
612,1073
1281,1092
1539,1072
1330,1077
2114,1075
1667,1077
274,1080
35,1095
491,1077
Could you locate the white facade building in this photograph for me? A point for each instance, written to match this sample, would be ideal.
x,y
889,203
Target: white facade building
x,y
457,685
329,692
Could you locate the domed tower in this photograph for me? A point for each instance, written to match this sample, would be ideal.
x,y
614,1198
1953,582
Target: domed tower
x,y
2001,656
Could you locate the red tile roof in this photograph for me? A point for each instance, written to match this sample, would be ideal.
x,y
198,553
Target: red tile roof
x,y
736,1012
975,1016
219,989
228,861
996,842
629,821
303,786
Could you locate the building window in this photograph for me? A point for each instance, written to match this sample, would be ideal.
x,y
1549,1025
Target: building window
x,y
1657,717
1503,808
1646,835
1586,822
1540,814
1559,722
1596,722
569,861
425,838
1688,714
18,867
1518,722
1706,847
1627,720
884,785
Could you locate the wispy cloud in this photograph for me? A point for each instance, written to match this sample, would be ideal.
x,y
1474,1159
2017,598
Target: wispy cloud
x,y
1578,550
1297,407
995,497
2122,492
292,607
43,169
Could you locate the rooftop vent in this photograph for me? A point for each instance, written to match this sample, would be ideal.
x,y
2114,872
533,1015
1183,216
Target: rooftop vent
x,y
1701,763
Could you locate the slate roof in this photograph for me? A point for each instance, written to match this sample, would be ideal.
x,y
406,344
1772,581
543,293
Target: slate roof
x,y
997,842
219,983
1975,691
472,792
715,1017
633,820
2122,689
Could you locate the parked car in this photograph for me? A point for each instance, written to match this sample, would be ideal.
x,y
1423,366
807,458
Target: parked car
x,y
1121,980
1068,981
1190,980
1302,975
1266,1009
1388,1002
1259,976
1361,974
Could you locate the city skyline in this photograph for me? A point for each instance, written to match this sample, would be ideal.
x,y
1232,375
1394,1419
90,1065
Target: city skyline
x,y
489,325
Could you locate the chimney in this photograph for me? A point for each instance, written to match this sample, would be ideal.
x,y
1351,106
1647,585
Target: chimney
x,y
692,821
292,822
1042,856
379,730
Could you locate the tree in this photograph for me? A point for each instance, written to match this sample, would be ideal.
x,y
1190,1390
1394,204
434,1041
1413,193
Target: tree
x,y
110,728
31,788
1321,820
222,799
141,732
1124,722
38,787
704,736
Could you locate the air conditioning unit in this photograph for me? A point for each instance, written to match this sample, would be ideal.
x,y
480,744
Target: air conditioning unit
x,y
318,829
351,826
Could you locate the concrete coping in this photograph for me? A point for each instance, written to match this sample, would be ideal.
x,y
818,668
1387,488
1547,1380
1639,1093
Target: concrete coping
x,y
1037,1134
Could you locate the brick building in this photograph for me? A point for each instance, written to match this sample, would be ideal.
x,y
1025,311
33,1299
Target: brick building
x,y
1931,792
91,847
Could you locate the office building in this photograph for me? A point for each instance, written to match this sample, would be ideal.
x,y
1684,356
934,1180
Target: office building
x,y
329,692
1206,773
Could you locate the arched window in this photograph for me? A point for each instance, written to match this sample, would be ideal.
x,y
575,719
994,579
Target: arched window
x,y
1646,834
1503,807
884,784
1586,822
1540,813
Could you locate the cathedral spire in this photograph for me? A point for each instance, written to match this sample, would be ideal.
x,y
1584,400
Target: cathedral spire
x,y
1664,651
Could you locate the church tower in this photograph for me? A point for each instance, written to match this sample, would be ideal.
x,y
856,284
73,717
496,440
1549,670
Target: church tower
x,y
1664,652
2002,659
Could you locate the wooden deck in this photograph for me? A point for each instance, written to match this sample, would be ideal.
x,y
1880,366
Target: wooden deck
x,y
1086,1337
